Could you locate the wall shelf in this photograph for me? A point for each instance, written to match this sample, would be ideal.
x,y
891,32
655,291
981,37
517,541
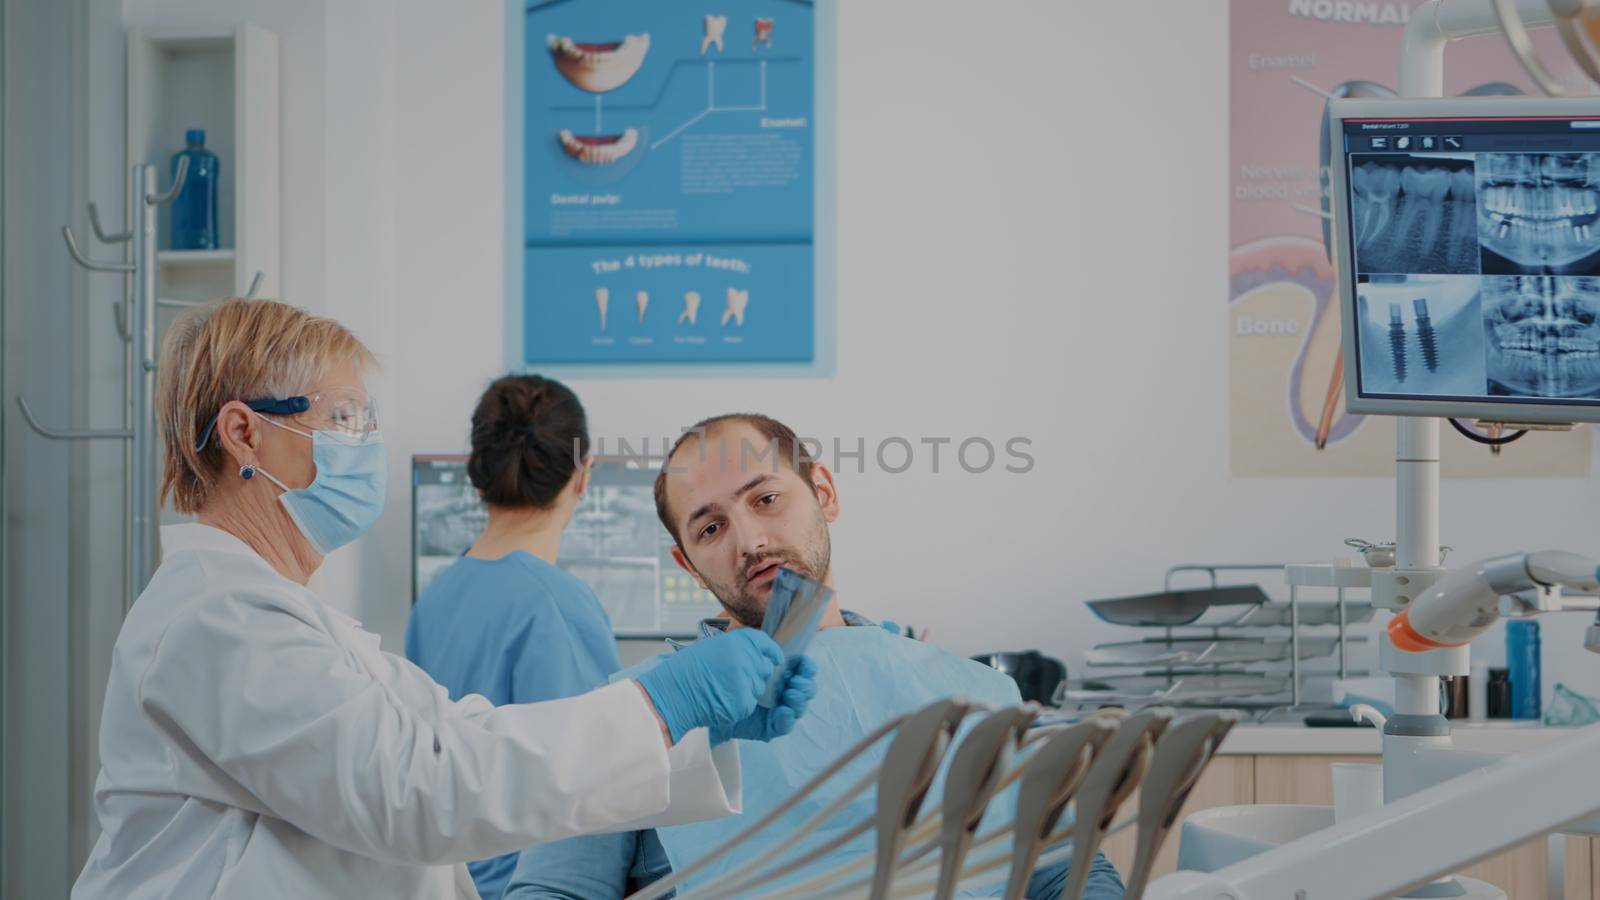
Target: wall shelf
x,y
226,81
195,257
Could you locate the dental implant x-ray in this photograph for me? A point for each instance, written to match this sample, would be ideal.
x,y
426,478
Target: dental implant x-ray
x,y
1414,214
1537,213
1543,336
1421,334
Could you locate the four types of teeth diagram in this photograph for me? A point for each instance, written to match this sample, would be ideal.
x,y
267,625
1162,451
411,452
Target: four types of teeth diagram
x,y
737,302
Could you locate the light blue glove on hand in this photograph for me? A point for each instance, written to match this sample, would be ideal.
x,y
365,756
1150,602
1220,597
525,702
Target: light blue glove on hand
x,y
794,695
713,683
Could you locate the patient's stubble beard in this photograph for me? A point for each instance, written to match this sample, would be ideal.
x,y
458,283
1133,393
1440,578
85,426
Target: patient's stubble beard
x,y
747,604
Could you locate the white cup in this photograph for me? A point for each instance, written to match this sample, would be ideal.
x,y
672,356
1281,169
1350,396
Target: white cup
x,y
1357,789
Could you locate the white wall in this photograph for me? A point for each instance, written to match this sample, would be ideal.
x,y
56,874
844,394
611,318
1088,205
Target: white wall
x,y
1032,241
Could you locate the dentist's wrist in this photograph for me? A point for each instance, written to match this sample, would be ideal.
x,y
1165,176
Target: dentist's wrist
x,y
666,734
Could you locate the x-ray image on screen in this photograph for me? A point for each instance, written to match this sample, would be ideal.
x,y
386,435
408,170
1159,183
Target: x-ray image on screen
x,y
614,543
1538,212
1543,336
451,517
615,522
1414,214
1421,334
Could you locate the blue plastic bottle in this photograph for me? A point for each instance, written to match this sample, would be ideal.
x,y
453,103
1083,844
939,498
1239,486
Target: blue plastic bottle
x,y
194,211
1522,658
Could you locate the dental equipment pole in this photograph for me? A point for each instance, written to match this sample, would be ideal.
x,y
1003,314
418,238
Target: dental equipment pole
x,y
1399,846
1418,726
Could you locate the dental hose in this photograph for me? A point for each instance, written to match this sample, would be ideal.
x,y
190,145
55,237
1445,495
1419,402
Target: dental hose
x,y
1471,435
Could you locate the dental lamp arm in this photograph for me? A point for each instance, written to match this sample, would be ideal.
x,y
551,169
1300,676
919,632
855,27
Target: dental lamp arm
x,y
1458,607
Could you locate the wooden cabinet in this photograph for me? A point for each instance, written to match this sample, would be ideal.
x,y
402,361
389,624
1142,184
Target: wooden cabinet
x,y
1228,781
1523,873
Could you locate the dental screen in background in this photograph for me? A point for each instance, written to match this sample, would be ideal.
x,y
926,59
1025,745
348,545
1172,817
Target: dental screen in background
x,y
1538,213
1543,335
1415,214
1422,334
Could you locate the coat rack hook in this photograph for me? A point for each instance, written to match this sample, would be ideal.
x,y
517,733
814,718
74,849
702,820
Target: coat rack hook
x,y
99,232
177,184
86,262
69,435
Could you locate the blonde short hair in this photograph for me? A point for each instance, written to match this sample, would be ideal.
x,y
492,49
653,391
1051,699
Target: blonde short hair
x,y
235,350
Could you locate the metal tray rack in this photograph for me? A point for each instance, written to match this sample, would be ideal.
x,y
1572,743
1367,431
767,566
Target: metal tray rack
x,y
1206,666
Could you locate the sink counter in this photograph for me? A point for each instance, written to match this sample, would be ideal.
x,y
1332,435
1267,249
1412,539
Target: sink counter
x,y
1298,740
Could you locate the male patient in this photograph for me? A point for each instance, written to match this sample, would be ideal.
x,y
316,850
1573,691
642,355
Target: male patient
x,y
740,500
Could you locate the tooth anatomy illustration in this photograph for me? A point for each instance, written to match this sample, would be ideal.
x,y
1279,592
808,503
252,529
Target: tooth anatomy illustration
x,y
1537,212
737,301
1415,214
598,150
602,299
642,299
1543,335
715,26
1425,334
691,308
598,68
763,34
1397,342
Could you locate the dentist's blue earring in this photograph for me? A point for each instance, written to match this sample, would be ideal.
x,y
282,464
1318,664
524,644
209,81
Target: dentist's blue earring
x,y
247,472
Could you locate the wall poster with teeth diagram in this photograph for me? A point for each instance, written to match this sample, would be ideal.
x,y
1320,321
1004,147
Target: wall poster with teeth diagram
x,y
1452,251
669,182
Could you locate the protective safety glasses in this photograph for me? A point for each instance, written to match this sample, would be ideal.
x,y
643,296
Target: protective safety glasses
x,y
345,410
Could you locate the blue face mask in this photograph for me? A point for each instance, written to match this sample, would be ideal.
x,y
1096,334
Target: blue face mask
x,y
346,497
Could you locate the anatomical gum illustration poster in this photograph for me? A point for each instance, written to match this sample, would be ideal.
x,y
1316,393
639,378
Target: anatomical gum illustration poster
x,y
1287,59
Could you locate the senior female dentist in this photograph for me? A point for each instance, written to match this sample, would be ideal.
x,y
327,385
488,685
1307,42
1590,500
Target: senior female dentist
x,y
256,742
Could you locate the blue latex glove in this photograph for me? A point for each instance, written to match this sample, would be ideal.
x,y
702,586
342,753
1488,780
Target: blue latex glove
x,y
794,695
712,683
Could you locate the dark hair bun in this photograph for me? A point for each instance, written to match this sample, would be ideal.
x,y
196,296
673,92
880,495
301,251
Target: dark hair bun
x,y
529,433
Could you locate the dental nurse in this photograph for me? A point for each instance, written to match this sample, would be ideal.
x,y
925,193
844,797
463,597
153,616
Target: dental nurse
x,y
256,742
503,620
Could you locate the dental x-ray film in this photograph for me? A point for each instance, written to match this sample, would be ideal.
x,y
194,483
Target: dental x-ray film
x,y
1477,258
1537,213
1415,214
794,612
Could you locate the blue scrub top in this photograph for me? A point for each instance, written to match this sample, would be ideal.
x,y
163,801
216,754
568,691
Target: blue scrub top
x,y
516,630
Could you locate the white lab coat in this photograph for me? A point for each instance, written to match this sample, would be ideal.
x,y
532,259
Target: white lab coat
x,y
256,742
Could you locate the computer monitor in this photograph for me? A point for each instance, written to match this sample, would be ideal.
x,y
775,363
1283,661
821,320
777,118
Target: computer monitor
x,y
614,542
1467,236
